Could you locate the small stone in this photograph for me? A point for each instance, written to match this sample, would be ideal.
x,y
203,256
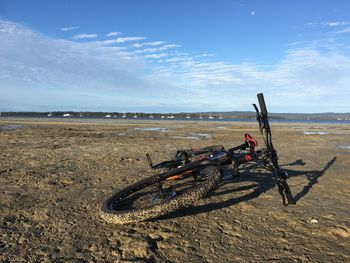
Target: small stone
x,y
93,248
53,256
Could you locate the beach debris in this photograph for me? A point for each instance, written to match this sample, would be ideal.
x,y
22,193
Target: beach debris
x,y
313,221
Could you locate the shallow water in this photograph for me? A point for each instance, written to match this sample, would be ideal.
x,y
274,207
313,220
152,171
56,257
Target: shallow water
x,y
153,129
318,133
117,120
201,135
345,147
187,137
11,127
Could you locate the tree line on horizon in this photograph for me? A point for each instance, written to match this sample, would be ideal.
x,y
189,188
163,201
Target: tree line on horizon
x,y
182,115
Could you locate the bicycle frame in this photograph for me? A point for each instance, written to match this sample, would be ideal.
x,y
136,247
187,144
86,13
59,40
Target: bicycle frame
x,y
217,155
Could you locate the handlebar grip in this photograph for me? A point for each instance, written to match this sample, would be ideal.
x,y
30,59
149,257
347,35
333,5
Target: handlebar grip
x,y
262,104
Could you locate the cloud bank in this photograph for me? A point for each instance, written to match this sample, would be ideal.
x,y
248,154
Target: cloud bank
x,y
70,28
113,34
41,73
85,36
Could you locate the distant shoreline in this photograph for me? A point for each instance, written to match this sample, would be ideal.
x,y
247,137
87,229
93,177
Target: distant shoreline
x,y
157,120
200,116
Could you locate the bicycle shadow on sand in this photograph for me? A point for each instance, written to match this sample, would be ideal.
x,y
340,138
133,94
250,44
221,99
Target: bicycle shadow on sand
x,y
260,182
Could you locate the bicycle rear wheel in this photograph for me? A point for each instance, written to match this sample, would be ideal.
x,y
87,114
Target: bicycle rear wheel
x,y
154,197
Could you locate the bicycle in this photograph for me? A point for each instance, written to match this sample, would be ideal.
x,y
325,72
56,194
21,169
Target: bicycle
x,y
192,174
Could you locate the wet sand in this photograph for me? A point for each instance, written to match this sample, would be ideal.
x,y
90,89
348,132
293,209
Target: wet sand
x,y
55,175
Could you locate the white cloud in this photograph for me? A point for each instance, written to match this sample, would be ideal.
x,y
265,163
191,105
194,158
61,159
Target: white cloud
x,y
178,59
343,31
160,55
165,47
156,49
155,43
146,50
205,55
252,13
329,23
70,28
113,34
108,42
85,36
128,39
336,23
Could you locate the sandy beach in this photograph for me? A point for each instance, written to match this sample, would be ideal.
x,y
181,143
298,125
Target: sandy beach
x,y
55,175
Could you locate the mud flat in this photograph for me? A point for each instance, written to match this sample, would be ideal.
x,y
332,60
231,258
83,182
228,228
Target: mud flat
x,y
55,175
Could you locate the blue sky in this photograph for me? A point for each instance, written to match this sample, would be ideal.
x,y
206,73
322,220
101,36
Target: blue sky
x,y
173,56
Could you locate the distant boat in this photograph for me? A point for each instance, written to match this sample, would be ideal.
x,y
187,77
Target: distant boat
x,y
135,116
188,116
48,115
210,117
124,115
66,115
170,116
220,118
151,116
108,116
81,115
200,116
162,117
114,116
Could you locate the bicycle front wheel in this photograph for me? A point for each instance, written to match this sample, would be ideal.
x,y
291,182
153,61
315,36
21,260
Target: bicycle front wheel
x,y
160,195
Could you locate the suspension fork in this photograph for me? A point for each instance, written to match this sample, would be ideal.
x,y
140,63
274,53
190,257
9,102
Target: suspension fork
x,y
283,187
280,178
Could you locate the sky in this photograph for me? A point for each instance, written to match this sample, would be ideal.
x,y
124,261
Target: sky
x,y
174,56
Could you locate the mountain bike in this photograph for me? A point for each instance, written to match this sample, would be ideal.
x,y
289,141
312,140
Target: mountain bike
x,y
192,174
